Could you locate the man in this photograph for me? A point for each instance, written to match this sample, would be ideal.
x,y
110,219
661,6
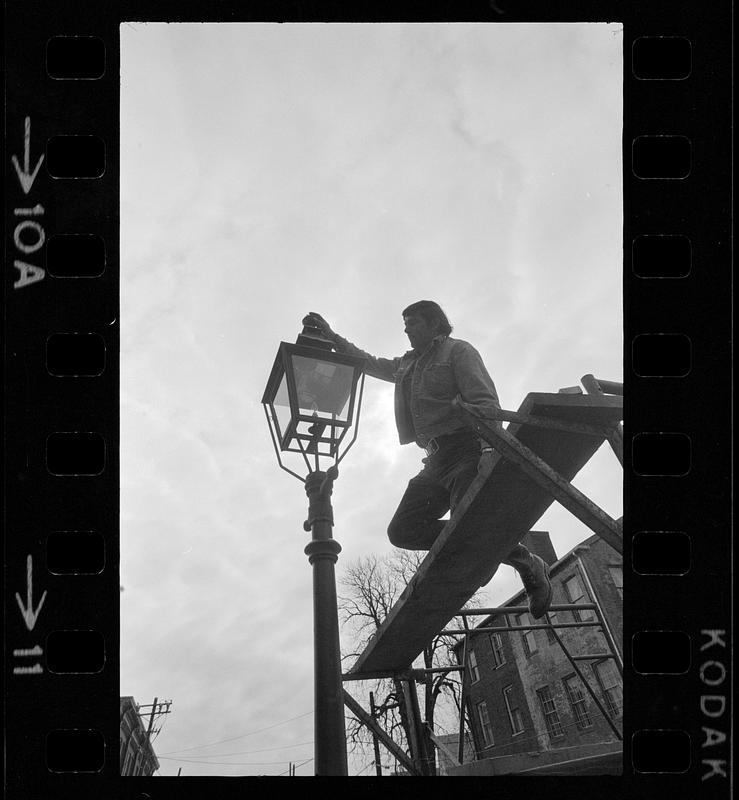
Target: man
x,y
427,379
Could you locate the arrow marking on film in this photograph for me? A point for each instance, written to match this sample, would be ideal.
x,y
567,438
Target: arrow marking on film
x,y
25,176
29,615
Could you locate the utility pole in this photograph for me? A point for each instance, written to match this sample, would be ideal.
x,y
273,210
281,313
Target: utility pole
x,y
157,710
151,719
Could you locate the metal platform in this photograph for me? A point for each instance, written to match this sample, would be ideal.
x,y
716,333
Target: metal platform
x,y
500,507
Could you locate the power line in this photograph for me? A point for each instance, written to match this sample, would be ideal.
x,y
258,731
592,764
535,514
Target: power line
x,y
250,752
230,763
243,735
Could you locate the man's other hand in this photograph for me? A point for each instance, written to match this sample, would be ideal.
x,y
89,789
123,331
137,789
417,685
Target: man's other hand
x,y
314,320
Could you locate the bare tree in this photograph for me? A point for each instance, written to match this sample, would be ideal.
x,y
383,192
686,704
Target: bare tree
x,y
370,586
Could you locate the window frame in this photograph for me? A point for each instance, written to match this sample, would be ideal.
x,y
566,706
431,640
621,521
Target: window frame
x,y
507,692
578,616
618,585
486,726
552,722
473,667
583,720
497,650
527,645
614,709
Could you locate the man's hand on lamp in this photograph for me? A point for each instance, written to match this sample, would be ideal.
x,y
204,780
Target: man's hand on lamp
x,y
314,320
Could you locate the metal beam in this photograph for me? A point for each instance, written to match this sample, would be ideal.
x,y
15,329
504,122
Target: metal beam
x,y
463,688
598,387
616,440
442,747
592,694
413,741
608,635
532,627
367,720
593,656
546,477
418,744
402,675
486,612
595,385
502,415
501,505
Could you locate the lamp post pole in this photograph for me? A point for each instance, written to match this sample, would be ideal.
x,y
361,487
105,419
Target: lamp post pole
x,y
319,388
322,552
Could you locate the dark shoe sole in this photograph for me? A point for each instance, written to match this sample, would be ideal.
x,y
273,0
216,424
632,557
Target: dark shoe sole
x,y
548,601
548,604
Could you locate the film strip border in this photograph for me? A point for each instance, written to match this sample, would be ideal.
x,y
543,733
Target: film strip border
x,y
62,402
62,392
679,647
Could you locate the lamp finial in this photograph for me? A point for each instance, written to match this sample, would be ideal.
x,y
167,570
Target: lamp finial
x,y
312,336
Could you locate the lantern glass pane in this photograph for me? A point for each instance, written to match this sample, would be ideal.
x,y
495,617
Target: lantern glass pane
x,y
323,387
281,406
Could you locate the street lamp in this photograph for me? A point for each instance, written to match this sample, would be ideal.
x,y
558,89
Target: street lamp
x,y
311,403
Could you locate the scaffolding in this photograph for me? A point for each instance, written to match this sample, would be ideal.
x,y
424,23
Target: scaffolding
x,y
610,653
547,441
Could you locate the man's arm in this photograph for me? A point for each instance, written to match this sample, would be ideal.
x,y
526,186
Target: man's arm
x,y
382,368
475,385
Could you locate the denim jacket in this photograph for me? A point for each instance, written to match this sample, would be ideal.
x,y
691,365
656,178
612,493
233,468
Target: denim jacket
x,y
447,369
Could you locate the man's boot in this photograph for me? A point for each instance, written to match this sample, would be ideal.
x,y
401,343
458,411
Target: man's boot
x,y
537,585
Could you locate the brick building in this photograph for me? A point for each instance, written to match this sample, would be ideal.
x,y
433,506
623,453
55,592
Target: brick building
x,y
528,707
137,756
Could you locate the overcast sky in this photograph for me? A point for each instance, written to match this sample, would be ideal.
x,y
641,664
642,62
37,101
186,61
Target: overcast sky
x,y
270,170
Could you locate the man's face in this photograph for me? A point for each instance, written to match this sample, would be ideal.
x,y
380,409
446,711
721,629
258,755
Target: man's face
x,y
419,332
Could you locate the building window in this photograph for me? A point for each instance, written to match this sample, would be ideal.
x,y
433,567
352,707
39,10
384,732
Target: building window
x,y
550,633
617,576
496,644
611,686
576,594
549,710
474,671
485,727
514,712
527,637
577,701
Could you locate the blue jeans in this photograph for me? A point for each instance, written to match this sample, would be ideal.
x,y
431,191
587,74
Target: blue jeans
x,y
438,488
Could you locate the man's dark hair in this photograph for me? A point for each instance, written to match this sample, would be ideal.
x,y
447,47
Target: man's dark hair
x,y
432,313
